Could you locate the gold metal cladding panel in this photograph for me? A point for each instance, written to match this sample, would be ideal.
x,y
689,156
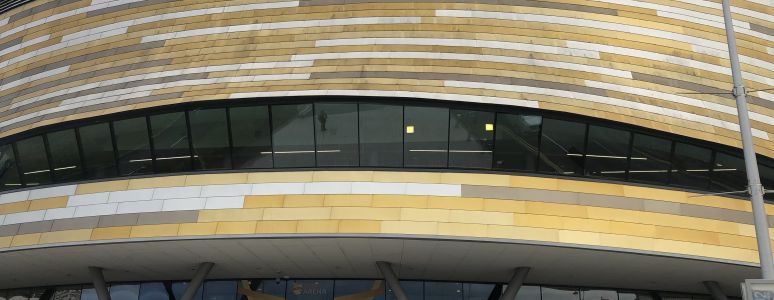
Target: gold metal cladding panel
x,y
453,205
644,61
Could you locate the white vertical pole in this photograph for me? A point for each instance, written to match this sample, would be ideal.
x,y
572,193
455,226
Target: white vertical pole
x,y
750,162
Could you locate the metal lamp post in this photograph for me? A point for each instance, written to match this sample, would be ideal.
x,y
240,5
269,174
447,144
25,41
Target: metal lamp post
x,y
753,178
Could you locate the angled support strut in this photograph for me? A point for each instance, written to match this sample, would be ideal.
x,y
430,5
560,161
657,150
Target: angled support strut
x,y
196,282
100,286
515,284
391,279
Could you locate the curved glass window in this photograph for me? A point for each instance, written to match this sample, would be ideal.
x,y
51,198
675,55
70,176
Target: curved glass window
x,y
124,291
767,179
209,137
471,139
293,135
690,166
335,126
310,290
607,152
169,135
261,288
381,135
9,172
559,293
728,173
98,152
516,142
562,145
153,291
426,139
368,134
650,159
339,289
133,146
34,162
66,160
251,135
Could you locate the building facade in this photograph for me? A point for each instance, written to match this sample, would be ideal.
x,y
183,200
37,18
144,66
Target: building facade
x,y
295,144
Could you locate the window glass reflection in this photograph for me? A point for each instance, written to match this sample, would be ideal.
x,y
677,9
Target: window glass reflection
x,y
591,294
220,290
482,291
691,166
559,293
98,155
42,293
178,288
516,142
471,134
88,293
767,179
209,135
124,292
635,296
443,290
33,161
381,135
650,159
336,134
359,289
413,290
728,173
9,173
170,142
607,152
293,135
309,290
154,291
562,146
426,136
65,156
527,292
251,135
133,144
67,293
259,289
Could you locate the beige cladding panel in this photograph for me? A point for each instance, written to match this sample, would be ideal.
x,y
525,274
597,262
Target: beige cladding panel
x,y
639,62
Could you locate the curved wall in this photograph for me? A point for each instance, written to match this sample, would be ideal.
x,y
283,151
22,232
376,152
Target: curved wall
x,y
463,206
637,62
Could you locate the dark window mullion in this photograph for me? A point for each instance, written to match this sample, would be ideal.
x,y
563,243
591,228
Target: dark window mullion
x,y
540,145
629,155
47,148
150,143
357,123
584,150
314,132
80,152
270,109
671,163
19,170
190,140
230,138
494,141
448,136
115,148
711,169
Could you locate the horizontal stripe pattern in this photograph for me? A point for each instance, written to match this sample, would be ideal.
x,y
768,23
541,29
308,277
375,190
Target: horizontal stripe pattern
x,y
476,205
647,57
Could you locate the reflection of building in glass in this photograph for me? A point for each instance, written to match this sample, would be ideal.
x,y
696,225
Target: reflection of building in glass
x,y
378,149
